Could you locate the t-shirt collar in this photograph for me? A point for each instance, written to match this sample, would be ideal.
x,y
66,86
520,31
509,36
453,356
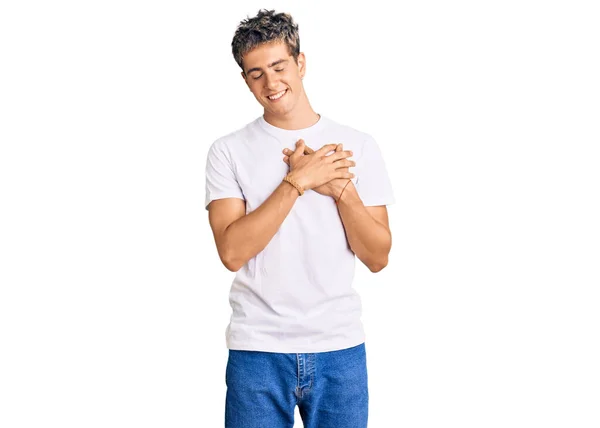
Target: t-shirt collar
x,y
287,133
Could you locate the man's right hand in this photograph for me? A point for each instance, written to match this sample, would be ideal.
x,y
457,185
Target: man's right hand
x,y
315,169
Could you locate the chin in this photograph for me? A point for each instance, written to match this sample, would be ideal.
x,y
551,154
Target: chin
x,y
281,113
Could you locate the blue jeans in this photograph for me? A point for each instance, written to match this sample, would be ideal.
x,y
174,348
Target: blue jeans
x,y
329,388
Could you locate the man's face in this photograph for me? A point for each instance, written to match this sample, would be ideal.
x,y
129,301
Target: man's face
x,y
270,70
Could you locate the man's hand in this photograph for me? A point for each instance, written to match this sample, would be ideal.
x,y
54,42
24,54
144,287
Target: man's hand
x,y
334,187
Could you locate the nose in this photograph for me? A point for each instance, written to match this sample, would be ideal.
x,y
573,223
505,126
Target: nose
x,y
271,81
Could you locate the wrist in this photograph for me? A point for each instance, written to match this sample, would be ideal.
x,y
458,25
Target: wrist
x,y
289,178
301,181
341,193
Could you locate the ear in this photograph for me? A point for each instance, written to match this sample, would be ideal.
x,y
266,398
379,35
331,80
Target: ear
x,y
245,78
301,64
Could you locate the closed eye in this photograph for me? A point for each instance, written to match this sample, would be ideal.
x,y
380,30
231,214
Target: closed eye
x,y
277,70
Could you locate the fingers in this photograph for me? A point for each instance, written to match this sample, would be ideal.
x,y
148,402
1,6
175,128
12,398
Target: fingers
x,y
344,163
340,155
299,149
326,149
343,174
289,152
308,150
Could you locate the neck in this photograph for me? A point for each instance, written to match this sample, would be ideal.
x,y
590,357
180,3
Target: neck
x,y
302,116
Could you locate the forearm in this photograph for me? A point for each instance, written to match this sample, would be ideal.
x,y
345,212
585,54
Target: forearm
x,y
370,240
250,234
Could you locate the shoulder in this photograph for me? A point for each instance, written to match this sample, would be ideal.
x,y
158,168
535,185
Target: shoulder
x,y
228,141
348,132
360,142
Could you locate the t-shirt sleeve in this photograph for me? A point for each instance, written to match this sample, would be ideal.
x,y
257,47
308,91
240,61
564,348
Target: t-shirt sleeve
x,y
221,180
372,180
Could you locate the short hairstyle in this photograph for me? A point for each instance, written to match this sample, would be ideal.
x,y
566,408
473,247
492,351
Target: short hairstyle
x,y
267,26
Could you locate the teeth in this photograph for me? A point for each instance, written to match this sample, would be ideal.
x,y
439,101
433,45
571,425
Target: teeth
x,y
278,95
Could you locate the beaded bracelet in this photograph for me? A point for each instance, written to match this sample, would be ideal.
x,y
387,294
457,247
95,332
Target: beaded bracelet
x,y
293,183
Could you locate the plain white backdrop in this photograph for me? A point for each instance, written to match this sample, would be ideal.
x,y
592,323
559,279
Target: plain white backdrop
x,y
113,301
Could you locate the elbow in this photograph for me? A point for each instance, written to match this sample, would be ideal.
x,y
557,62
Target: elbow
x,y
231,265
377,267
382,261
230,262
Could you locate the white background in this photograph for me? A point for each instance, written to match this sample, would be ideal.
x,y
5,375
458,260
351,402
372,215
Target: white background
x,y
113,301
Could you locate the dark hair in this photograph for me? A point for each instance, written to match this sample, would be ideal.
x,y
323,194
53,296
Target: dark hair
x,y
267,26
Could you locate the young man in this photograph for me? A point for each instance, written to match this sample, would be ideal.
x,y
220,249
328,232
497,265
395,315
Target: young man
x,y
290,227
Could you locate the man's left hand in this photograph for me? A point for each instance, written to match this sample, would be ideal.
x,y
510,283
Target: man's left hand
x,y
332,188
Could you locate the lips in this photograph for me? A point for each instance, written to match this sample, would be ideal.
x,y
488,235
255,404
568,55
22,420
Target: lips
x,y
277,95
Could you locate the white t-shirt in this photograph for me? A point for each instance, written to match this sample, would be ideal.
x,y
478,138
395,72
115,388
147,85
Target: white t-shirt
x,y
296,295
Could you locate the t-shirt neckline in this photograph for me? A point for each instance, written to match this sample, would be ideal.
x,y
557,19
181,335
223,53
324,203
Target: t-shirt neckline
x,y
280,132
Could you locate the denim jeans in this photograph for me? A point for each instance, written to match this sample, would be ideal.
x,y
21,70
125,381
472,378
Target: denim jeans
x,y
329,388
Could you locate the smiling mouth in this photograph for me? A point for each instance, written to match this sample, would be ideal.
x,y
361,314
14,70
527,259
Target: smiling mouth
x,y
277,96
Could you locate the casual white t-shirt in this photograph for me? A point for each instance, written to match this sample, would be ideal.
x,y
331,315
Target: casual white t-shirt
x,y
296,295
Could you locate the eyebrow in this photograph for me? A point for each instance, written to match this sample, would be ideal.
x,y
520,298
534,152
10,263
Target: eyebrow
x,y
273,64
